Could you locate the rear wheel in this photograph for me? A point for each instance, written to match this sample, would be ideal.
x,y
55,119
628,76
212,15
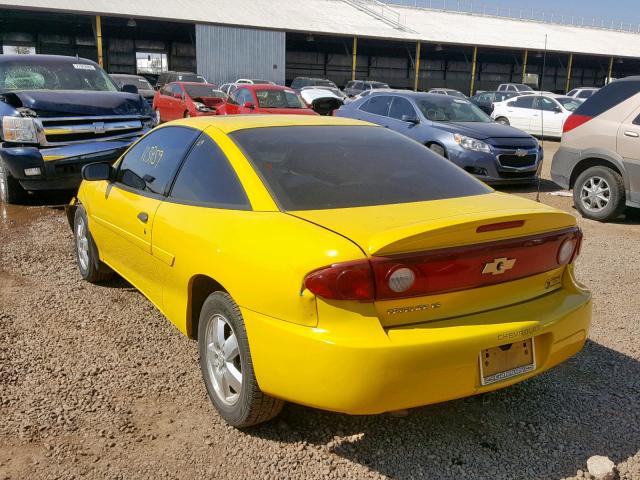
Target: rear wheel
x,y
439,149
91,268
10,189
227,369
502,121
599,194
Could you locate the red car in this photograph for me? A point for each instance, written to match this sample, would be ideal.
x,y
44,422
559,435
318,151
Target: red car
x,y
266,99
188,99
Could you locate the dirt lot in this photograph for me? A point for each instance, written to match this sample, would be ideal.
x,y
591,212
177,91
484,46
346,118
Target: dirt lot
x,y
95,383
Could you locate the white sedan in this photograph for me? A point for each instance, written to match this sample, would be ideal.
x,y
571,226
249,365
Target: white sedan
x,y
536,114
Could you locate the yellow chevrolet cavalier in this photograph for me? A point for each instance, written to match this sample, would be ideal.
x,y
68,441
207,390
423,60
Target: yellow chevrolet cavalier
x,y
332,263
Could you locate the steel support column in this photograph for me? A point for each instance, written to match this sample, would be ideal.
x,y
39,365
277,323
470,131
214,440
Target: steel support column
x,y
569,68
610,74
99,40
525,59
417,77
354,53
473,71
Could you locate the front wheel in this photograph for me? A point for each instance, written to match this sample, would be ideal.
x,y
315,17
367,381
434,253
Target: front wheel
x,y
10,189
227,369
503,121
439,149
599,194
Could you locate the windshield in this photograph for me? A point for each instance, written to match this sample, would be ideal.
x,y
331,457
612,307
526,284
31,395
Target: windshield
x,y
569,103
261,82
379,85
455,93
450,109
39,74
279,99
324,167
139,82
204,90
521,87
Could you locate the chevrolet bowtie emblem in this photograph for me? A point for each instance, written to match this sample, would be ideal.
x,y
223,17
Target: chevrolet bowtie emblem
x,y
499,266
521,153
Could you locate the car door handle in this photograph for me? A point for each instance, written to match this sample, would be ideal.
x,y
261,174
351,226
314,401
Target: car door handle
x,y
143,217
631,134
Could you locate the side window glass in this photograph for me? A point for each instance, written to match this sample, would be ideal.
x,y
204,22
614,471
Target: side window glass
x,y
152,162
377,105
358,86
545,104
207,177
401,107
637,120
572,93
525,101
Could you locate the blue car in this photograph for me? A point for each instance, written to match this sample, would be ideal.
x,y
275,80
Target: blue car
x,y
455,129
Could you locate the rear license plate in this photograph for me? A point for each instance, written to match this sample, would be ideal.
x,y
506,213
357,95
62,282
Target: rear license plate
x,y
507,361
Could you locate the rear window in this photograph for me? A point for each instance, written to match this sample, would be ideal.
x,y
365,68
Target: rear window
x,y
325,167
608,97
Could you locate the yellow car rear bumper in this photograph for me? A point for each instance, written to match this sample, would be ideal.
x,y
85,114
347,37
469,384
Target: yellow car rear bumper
x,y
350,364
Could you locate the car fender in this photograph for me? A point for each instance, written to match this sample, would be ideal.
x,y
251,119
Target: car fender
x,y
601,154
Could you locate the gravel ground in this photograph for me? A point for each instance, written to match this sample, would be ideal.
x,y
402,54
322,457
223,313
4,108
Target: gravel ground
x,y
95,383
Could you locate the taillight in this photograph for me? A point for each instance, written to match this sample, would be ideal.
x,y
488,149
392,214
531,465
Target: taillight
x,y
574,121
446,270
343,281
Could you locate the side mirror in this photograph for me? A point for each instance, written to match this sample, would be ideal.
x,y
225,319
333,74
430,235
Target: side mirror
x,y
178,96
94,172
128,88
410,119
248,105
557,109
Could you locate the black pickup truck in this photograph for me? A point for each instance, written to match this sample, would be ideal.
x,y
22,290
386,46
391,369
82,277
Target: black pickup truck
x,y
58,114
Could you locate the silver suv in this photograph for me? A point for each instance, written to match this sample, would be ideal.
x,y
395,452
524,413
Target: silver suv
x,y
599,156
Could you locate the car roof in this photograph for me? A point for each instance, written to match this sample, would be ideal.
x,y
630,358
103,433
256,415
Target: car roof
x,y
197,83
231,123
48,58
264,86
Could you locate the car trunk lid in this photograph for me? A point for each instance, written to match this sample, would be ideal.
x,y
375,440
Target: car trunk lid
x,y
471,256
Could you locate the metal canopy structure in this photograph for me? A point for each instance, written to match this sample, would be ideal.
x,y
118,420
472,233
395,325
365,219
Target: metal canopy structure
x,y
339,17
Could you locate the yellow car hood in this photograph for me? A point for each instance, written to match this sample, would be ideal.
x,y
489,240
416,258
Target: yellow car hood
x,y
408,227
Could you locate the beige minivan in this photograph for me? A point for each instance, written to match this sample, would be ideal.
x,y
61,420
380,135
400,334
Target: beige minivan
x,y
599,156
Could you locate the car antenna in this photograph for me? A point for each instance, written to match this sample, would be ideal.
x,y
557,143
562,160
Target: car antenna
x,y
544,66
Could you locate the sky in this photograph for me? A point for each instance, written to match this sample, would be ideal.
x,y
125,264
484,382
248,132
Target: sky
x,y
626,10
620,10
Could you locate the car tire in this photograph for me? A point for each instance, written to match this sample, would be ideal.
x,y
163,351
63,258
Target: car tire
x,y
503,121
91,268
227,369
10,189
438,149
598,194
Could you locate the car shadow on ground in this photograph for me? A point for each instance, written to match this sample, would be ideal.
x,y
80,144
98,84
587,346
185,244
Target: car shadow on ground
x,y
544,428
545,186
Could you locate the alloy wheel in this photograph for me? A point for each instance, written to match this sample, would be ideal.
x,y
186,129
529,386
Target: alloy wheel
x,y
595,194
82,244
223,360
3,184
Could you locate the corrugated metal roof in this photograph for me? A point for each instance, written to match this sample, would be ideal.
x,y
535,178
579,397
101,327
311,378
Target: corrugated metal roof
x,y
339,18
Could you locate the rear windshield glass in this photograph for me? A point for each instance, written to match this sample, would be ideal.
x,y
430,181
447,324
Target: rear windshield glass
x,y
204,90
325,167
36,73
191,77
279,99
139,82
446,108
610,96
